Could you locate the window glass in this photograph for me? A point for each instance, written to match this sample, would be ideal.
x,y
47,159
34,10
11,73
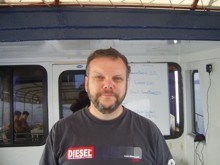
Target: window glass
x,y
23,104
72,92
73,96
197,102
176,101
5,99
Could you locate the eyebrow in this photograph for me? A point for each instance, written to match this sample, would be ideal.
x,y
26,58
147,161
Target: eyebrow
x,y
116,75
96,72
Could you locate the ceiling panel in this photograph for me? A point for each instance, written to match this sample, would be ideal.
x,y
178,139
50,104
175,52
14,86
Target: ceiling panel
x,y
202,5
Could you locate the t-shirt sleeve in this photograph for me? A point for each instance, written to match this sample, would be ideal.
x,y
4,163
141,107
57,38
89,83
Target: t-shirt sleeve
x,y
163,155
49,155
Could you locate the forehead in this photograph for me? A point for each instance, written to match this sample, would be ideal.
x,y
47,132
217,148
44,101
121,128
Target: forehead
x,y
105,64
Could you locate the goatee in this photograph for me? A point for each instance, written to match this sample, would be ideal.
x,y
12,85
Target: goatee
x,y
105,109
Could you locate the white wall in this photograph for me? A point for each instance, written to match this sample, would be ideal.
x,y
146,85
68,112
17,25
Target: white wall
x,y
182,148
198,61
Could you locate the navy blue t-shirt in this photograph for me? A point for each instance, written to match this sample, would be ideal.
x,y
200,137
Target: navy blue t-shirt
x,y
82,139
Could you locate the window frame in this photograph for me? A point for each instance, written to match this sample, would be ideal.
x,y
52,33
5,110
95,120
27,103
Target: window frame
x,y
61,115
171,67
11,69
194,128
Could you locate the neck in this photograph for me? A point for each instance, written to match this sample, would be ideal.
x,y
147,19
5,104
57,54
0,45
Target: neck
x,y
95,112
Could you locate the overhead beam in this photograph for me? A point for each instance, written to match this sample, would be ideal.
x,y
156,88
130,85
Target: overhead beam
x,y
45,23
194,5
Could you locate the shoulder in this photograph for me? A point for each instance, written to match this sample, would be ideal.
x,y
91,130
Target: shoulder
x,y
71,120
138,117
142,122
21,120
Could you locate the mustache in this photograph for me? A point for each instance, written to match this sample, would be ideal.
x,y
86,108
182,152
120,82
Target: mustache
x,y
106,92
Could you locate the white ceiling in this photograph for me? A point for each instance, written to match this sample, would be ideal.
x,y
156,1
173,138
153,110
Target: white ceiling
x,y
71,48
162,4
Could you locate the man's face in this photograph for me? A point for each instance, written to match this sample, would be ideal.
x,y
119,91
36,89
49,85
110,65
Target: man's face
x,y
16,117
106,84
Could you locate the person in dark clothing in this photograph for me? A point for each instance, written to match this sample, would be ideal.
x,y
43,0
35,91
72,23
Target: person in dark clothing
x,y
106,133
81,102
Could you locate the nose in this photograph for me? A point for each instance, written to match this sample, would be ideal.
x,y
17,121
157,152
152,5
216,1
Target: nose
x,y
108,85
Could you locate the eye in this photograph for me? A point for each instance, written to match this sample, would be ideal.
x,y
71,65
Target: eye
x,y
99,77
117,79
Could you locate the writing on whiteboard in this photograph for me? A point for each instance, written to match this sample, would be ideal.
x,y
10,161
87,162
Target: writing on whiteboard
x,y
148,93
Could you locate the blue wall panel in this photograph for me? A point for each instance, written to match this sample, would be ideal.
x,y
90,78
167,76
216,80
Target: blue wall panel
x,y
47,23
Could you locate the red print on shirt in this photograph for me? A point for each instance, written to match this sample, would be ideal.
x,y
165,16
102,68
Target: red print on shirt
x,y
80,153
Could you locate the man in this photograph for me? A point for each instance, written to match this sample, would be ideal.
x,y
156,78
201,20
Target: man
x,y
81,102
24,124
6,130
106,133
21,127
17,123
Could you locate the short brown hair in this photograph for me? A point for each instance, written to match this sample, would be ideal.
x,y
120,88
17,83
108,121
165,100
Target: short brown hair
x,y
109,53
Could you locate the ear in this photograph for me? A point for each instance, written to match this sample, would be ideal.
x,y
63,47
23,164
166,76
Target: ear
x,y
86,83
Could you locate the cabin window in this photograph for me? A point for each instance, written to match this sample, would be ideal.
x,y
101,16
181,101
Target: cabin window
x,y
176,100
73,96
198,117
23,105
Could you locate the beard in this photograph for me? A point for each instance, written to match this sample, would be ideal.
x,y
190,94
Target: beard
x,y
102,108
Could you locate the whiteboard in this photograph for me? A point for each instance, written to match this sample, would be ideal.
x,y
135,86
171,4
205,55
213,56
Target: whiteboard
x,y
148,93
